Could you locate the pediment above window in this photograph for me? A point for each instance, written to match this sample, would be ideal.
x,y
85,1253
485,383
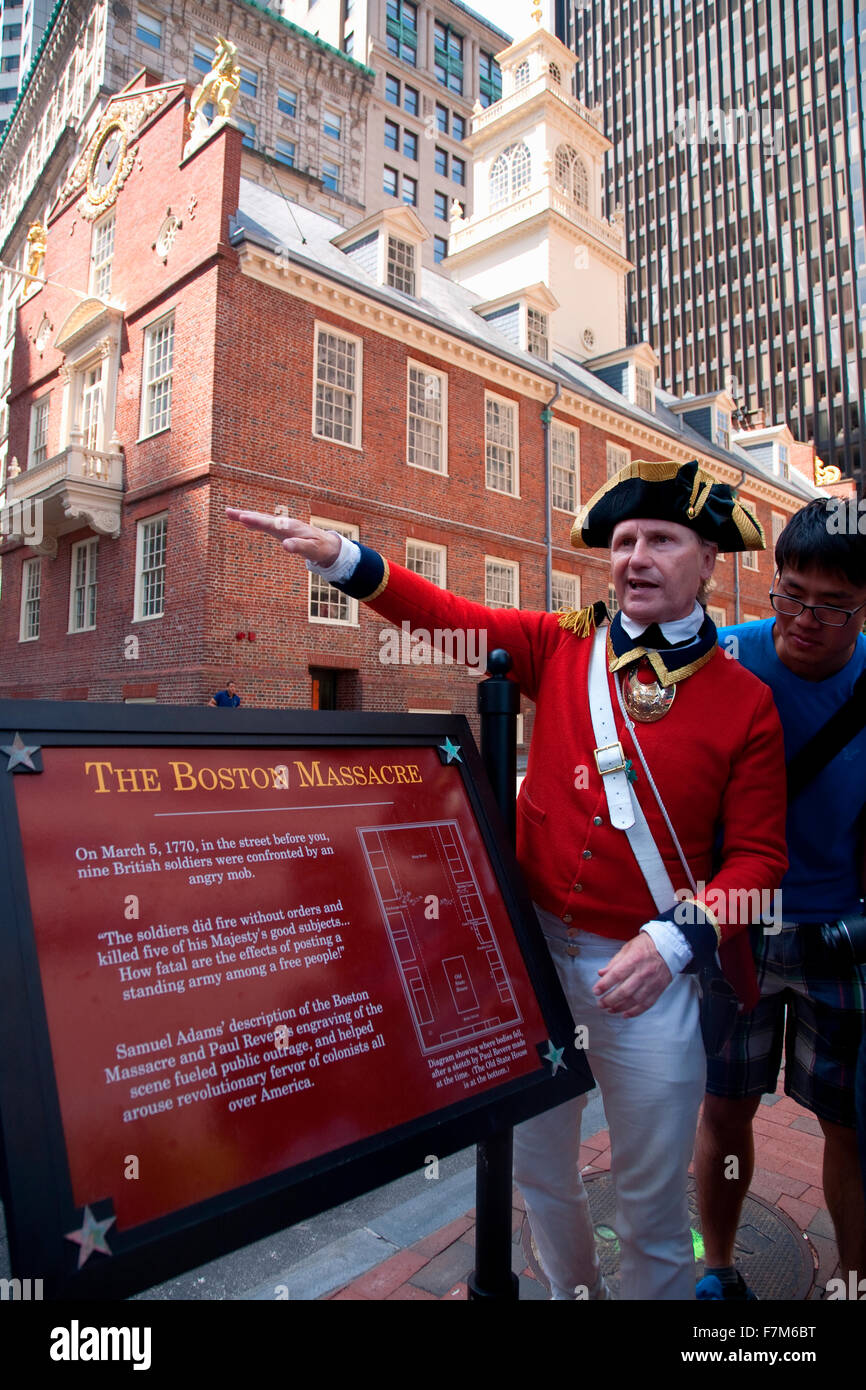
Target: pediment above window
x,y
91,319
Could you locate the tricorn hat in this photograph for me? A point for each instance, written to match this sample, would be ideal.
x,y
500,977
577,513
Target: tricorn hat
x,y
680,492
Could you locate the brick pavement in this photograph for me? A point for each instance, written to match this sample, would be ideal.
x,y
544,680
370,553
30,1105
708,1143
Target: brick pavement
x,y
788,1153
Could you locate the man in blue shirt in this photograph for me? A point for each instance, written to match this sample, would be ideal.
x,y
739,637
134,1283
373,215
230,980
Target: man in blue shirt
x,y
228,697
810,654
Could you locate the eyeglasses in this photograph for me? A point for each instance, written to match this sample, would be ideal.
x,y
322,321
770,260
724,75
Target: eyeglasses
x,y
822,612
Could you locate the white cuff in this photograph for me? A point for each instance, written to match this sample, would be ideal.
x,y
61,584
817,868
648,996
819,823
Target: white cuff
x,y
345,564
670,943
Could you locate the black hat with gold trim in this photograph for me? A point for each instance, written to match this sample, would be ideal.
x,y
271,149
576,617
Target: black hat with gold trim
x,y
680,492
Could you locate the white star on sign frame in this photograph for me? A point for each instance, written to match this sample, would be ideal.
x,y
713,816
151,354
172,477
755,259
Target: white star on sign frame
x,y
553,1055
91,1236
19,753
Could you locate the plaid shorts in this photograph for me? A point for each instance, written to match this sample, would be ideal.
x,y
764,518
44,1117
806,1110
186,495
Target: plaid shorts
x,y
816,1003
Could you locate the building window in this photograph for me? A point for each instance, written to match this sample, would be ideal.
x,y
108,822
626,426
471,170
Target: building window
x,y
440,206
555,74
458,126
427,560
440,248
442,118
426,418
148,29
723,429
410,144
410,191
158,366
332,124
565,590
150,551
248,129
82,586
612,600
458,170
401,30
718,615
285,151
411,100
536,333
750,559
38,432
337,413
392,90
564,488
102,256
287,102
510,174
31,589
91,408
389,180
617,458
400,268
327,604
644,394
392,135
778,522
501,583
448,57
349,44
249,82
521,74
571,175
489,79
331,175
500,444
202,57
440,161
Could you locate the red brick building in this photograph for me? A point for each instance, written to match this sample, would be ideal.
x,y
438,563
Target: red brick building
x,y
200,342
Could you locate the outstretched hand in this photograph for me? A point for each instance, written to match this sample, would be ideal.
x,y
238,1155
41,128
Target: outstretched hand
x,y
298,537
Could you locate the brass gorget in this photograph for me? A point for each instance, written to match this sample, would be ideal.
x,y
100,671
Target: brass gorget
x,y
646,699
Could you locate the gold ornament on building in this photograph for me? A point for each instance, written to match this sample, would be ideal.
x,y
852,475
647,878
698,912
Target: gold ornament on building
x,y
221,85
109,167
826,474
36,245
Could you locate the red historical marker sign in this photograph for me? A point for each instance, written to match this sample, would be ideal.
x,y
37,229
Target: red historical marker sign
x,y
260,968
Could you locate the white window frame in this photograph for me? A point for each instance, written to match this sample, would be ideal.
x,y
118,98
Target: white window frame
x,y
337,176
571,579
105,263
401,243
156,20
40,412
138,616
30,568
336,123
750,559
282,156
718,614
778,522
442,470
612,465
345,528
492,397
147,384
441,554
506,564
533,334
291,98
647,387
721,435
319,329
90,548
560,425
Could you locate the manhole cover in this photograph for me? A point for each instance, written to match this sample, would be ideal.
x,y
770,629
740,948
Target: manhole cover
x,y
771,1251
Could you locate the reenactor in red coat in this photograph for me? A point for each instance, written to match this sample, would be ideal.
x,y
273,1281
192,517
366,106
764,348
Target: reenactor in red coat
x,y
650,829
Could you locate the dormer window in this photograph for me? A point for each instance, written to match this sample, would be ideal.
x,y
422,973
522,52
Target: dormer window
x,y
400,268
722,431
644,389
537,341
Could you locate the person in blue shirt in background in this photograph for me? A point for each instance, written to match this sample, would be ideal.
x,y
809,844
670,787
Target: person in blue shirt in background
x,y
810,655
228,697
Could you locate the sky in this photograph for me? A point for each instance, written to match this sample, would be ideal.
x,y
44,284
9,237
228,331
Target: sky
x,y
514,16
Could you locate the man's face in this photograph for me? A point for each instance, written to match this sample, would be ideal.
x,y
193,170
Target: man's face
x,y
231,687
808,648
657,568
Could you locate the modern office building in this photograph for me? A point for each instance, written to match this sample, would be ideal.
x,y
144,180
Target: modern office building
x,y
737,159
11,28
435,62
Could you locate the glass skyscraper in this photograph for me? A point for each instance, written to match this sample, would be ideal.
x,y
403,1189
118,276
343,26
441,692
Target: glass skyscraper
x,y
738,164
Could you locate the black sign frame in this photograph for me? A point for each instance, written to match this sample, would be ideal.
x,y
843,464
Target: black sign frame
x,y
36,1184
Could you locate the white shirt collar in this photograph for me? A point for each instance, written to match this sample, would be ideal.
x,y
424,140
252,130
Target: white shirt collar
x,y
677,631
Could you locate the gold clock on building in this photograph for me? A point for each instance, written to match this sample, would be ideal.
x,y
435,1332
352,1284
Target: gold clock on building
x,y
107,162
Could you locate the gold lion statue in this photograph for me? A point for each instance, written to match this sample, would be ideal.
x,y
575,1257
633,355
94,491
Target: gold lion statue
x,y
221,85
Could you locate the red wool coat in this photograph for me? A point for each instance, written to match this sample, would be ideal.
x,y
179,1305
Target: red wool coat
x,y
717,759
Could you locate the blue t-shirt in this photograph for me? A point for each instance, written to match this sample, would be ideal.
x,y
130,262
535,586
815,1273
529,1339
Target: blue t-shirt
x,y
826,820
224,698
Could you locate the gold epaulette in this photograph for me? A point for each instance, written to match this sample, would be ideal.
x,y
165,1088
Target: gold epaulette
x,y
583,621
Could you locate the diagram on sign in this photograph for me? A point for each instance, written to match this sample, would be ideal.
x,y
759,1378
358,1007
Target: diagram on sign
x,y
453,974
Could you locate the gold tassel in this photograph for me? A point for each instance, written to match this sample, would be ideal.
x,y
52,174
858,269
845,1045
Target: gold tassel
x,y
580,621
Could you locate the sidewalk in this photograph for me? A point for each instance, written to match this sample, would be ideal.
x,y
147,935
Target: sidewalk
x,y
788,1151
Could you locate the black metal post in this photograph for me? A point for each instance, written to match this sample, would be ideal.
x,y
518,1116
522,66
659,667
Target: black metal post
x,y
498,704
